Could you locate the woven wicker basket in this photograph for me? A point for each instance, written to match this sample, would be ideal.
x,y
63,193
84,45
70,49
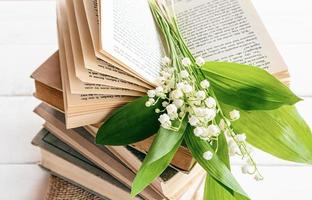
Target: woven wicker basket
x,y
60,189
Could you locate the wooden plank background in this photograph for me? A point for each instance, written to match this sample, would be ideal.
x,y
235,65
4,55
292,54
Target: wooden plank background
x,y
28,37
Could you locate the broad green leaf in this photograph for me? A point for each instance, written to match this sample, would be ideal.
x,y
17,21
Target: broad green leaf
x,y
159,156
215,190
247,87
215,167
281,132
129,124
223,151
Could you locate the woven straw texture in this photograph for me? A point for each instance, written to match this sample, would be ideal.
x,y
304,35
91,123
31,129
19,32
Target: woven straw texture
x,y
60,189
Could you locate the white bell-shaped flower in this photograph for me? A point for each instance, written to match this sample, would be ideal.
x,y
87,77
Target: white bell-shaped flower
x,y
186,62
164,118
173,116
184,74
180,85
159,90
187,88
213,130
178,103
234,115
166,74
151,93
200,61
165,61
210,102
204,84
171,109
208,155
199,131
160,80
209,114
176,94
150,102
166,124
200,95
245,169
258,177
199,111
193,120
164,104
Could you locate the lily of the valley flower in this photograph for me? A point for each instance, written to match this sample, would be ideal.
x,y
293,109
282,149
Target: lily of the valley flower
x,y
165,61
186,62
204,84
182,95
234,115
210,102
208,155
200,61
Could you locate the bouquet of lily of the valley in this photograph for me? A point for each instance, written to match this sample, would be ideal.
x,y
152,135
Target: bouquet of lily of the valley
x,y
219,109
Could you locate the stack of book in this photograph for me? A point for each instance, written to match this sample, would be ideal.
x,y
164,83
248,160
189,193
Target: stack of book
x,y
109,54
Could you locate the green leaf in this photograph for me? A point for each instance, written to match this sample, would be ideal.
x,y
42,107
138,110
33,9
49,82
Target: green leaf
x,y
215,167
223,151
159,156
129,124
247,87
214,190
281,132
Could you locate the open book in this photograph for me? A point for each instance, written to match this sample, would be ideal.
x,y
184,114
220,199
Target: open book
x,y
109,55
217,30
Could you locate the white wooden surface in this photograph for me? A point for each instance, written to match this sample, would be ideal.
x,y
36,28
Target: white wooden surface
x,y
28,37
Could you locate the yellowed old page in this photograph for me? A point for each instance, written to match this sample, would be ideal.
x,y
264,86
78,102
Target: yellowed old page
x,y
73,103
90,60
173,188
79,87
92,10
228,31
131,38
84,100
199,195
89,76
88,101
193,188
92,14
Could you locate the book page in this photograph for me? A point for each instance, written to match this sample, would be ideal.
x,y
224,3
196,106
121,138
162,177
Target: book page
x,y
88,53
91,8
86,102
128,33
72,43
228,30
217,30
72,102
